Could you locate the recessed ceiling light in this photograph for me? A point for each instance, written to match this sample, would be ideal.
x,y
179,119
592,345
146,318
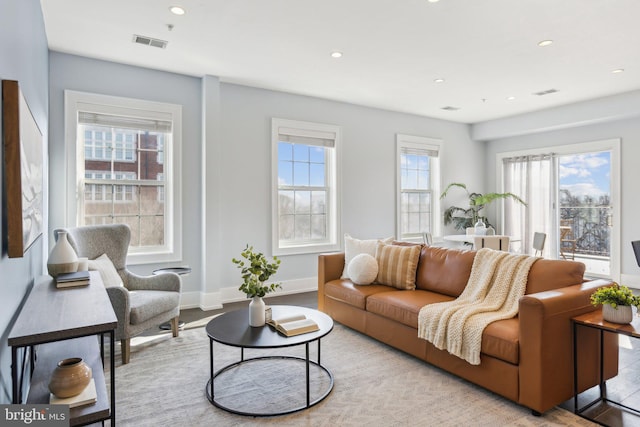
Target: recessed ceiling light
x,y
177,10
336,54
511,98
433,1
618,70
544,43
438,80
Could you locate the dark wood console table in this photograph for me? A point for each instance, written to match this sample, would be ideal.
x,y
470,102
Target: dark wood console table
x,y
55,324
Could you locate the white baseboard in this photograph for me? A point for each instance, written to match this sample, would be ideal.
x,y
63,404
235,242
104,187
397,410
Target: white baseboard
x,y
216,300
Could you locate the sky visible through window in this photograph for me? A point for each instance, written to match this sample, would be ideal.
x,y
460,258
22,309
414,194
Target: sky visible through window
x,y
586,174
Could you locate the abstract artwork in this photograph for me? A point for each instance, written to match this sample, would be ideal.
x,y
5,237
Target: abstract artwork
x,y
23,164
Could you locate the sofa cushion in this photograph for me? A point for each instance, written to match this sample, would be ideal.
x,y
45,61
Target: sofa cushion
x,y
403,306
397,265
499,339
355,295
444,270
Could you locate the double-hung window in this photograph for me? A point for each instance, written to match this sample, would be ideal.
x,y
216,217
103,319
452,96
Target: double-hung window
x,y
418,208
305,187
125,157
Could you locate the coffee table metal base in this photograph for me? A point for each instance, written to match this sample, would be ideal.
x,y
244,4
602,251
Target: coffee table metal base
x,y
309,402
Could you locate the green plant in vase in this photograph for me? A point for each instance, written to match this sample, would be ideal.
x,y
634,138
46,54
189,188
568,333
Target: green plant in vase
x,y
616,301
468,217
256,269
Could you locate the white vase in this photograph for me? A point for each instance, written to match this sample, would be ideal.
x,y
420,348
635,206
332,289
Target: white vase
x,y
256,312
479,228
63,258
621,314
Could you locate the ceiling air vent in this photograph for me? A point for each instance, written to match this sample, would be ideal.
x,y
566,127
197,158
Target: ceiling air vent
x,y
545,92
450,108
149,41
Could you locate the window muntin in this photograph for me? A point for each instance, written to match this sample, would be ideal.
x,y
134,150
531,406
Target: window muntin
x,y
127,157
305,202
418,170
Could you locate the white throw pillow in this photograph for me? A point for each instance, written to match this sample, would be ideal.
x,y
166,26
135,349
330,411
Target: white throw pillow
x,y
108,272
363,269
353,247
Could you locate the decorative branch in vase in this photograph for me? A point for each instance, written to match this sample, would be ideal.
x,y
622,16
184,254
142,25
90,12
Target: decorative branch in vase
x,y
256,270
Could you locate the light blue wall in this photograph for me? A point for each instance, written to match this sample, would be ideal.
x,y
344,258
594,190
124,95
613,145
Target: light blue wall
x,y
237,160
368,167
23,57
70,72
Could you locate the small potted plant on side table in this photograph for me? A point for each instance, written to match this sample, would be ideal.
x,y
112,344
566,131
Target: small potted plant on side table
x,y
617,302
256,270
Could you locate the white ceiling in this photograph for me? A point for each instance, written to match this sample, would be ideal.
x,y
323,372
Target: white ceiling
x,y
486,50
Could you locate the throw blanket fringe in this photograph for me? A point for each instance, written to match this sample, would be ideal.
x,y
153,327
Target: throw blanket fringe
x,y
497,282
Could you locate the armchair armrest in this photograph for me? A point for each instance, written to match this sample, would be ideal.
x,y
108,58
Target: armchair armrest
x,y
546,344
170,282
330,267
119,296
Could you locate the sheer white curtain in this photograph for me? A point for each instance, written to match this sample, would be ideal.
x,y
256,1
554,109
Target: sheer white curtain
x,y
531,178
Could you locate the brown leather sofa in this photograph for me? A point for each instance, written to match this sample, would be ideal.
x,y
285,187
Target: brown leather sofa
x,y
527,359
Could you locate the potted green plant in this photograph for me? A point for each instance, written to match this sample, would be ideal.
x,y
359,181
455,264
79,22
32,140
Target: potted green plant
x,y
256,270
616,301
468,217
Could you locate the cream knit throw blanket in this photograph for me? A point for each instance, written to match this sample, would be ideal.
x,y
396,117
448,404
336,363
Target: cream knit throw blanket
x,y
497,281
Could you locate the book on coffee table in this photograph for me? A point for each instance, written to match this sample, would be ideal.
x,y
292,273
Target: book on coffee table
x,y
294,325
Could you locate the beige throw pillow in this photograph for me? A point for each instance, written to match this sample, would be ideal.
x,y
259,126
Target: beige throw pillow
x,y
107,270
397,265
353,247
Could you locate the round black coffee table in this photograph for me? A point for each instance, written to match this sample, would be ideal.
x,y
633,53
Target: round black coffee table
x,y
232,328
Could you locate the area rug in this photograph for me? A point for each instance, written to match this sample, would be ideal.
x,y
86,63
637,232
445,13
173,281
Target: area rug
x,y
374,385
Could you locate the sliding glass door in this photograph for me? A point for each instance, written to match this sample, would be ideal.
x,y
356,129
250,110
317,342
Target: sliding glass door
x,y
585,210
572,195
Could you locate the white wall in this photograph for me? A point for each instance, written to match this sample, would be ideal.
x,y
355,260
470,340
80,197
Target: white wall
x,y
579,123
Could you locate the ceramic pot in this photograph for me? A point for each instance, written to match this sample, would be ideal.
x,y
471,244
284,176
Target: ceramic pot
x,y
620,314
70,377
63,258
256,312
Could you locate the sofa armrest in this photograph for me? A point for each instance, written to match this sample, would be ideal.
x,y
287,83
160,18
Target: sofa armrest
x,y
330,267
546,344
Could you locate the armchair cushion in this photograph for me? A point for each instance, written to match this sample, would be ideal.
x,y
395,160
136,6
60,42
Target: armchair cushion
x,y
107,270
148,304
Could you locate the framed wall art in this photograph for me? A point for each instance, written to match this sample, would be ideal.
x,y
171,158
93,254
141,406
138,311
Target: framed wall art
x,y
23,171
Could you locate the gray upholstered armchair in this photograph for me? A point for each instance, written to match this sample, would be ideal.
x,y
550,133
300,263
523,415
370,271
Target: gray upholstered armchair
x,y
143,301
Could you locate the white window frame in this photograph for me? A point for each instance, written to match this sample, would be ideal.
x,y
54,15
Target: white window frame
x,y
75,102
420,143
332,174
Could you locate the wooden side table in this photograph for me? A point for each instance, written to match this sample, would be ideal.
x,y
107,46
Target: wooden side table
x,y
594,320
56,324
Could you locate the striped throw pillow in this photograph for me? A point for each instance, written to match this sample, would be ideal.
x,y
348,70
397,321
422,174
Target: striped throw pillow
x,y
397,265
